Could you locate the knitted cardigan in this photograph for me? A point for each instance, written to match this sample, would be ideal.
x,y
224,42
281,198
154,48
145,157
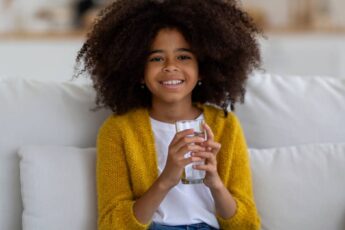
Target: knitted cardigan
x,y
127,167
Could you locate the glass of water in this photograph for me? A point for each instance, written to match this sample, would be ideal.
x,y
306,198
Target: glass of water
x,y
191,175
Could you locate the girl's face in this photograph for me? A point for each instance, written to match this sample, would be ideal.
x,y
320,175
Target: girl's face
x,y
171,71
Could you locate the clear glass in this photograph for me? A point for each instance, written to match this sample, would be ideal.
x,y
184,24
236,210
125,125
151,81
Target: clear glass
x,y
191,175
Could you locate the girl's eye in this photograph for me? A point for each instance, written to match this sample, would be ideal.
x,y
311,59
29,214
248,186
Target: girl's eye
x,y
183,57
155,59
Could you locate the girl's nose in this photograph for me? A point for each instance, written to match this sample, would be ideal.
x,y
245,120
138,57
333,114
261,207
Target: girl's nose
x,y
170,67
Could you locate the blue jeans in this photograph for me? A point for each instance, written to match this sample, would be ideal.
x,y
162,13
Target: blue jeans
x,y
200,226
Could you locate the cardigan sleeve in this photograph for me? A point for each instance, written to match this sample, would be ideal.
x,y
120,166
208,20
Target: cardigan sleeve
x,y
240,186
115,197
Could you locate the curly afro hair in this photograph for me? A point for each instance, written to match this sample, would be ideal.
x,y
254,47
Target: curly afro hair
x,y
220,33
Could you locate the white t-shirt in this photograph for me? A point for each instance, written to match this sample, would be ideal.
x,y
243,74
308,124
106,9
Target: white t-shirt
x,y
185,203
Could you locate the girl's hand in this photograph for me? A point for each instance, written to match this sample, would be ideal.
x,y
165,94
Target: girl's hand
x,y
179,146
212,179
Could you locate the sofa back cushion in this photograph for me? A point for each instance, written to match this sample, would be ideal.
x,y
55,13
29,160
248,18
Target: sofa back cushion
x,y
40,113
58,187
292,110
300,187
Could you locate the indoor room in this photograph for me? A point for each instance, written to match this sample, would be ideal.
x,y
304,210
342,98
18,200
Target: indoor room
x,y
292,115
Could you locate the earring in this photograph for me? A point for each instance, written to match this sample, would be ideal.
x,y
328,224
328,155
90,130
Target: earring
x,y
142,86
199,83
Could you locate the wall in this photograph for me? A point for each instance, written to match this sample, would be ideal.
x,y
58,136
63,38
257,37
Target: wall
x,y
299,54
39,59
278,12
304,54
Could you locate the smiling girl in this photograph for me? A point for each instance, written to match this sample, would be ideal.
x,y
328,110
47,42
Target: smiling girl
x,y
154,62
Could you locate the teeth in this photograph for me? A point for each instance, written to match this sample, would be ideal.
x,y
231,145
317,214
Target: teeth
x,y
172,82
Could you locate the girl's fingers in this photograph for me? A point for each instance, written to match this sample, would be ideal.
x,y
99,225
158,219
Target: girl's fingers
x,y
204,155
211,146
214,145
205,167
210,135
182,138
186,161
189,148
209,156
178,136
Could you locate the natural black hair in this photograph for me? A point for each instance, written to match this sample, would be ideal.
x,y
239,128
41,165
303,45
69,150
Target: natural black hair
x,y
222,36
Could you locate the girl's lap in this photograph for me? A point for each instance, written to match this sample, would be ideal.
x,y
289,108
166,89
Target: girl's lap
x,y
199,226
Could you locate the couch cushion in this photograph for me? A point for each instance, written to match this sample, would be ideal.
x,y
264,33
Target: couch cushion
x,y
291,110
58,186
300,187
40,113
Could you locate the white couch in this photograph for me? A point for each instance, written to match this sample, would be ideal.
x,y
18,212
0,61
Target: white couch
x,y
295,128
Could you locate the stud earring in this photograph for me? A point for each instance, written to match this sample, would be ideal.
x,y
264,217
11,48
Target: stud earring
x,y
199,83
142,86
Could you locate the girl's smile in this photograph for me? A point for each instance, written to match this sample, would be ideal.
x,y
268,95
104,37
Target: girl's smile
x,y
172,84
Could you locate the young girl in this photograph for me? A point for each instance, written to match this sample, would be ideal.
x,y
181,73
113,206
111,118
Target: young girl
x,y
154,62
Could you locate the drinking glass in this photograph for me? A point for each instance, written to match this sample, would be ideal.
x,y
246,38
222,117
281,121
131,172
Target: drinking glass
x,y
191,175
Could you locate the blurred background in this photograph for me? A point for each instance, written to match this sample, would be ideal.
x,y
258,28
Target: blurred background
x,y
39,39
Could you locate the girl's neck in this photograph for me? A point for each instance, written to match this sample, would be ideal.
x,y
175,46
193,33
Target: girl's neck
x,y
172,113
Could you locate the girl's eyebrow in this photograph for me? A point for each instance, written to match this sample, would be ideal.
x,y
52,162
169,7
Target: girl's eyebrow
x,y
177,50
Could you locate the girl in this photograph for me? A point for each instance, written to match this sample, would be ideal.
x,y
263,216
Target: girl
x,y
154,62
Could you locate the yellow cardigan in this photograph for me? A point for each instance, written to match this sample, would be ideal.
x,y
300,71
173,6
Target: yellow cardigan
x,y
127,167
